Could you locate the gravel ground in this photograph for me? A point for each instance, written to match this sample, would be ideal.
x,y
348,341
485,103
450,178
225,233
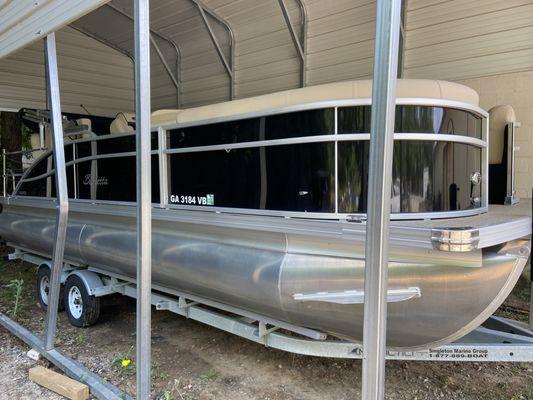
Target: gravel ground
x,y
192,361
14,366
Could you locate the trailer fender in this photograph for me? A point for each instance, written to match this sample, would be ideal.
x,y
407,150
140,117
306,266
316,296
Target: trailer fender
x,y
91,280
64,274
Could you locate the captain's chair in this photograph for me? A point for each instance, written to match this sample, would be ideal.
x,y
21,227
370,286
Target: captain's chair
x,y
121,123
501,155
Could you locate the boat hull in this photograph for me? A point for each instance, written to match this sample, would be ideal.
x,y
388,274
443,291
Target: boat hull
x,y
261,271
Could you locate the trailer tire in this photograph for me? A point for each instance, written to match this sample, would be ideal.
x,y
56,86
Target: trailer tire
x,y
83,309
43,287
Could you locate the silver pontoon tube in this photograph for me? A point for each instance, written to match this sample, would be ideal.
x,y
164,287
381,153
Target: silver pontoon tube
x,y
311,275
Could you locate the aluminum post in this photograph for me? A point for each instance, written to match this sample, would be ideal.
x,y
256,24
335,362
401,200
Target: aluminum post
x,y
61,189
144,195
163,167
379,197
41,135
4,171
531,303
531,284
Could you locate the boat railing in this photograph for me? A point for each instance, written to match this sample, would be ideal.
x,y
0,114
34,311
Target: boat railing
x,y
11,174
163,149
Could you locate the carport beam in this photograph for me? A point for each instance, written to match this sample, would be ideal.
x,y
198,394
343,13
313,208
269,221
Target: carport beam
x,y
379,198
170,41
144,195
164,62
61,190
294,36
227,66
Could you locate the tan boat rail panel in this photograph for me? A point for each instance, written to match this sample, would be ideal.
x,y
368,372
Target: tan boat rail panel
x,y
361,89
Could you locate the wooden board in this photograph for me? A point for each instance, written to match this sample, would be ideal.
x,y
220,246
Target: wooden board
x,y
59,384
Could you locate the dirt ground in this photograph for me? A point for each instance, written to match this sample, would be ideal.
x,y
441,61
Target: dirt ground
x,y
192,361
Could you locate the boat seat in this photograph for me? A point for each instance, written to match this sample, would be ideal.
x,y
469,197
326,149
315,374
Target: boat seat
x,y
500,117
158,118
165,117
120,123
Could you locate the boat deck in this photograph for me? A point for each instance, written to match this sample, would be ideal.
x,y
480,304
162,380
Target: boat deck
x,y
496,215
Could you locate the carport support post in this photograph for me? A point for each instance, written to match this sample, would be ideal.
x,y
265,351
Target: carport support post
x,y
144,196
61,190
379,195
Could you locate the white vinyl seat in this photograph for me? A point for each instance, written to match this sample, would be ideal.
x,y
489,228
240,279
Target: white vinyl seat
x,y
120,123
500,116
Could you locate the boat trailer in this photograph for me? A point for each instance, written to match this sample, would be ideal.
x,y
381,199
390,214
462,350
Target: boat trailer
x,y
496,340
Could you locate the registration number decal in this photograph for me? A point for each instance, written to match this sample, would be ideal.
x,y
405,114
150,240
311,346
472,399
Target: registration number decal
x,y
207,200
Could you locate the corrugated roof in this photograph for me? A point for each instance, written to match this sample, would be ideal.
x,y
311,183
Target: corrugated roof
x,y
444,39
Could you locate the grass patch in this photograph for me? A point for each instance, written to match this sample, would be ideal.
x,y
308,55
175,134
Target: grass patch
x,y
15,288
123,364
209,375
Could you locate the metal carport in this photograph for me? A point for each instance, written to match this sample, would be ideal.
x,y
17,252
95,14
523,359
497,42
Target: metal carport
x,y
388,27
210,51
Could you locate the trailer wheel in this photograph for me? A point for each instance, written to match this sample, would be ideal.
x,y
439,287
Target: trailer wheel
x,y
82,309
43,288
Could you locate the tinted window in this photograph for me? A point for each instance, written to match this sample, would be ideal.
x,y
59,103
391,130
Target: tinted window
x,y
297,124
290,178
113,179
219,178
414,119
105,179
124,144
223,133
353,176
427,176
354,119
301,177
46,187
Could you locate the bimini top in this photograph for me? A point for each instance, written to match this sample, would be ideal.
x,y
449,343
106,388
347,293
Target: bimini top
x,y
362,89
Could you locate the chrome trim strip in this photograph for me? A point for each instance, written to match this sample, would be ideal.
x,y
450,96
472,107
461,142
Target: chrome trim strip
x,y
455,239
433,137
164,183
441,137
267,143
459,105
485,163
270,213
358,296
336,158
